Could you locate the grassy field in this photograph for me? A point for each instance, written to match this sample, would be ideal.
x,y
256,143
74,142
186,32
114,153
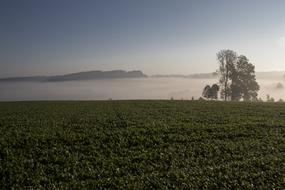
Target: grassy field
x,y
142,145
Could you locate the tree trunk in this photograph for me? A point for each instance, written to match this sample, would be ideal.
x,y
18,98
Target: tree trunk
x,y
226,82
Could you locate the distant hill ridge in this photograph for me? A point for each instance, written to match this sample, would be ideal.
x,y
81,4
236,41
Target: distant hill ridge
x,y
88,75
117,74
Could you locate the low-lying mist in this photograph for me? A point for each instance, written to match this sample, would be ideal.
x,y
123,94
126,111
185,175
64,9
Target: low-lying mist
x,y
118,89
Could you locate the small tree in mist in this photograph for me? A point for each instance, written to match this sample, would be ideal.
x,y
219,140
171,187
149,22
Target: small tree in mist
x,y
211,92
269,98
207,92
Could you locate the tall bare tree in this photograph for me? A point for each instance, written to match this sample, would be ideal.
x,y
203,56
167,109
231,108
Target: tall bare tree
x,y
227,60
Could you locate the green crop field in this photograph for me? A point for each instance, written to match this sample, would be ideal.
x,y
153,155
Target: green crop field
x,y
142,145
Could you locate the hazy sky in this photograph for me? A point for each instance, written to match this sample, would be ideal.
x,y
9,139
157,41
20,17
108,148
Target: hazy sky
x,y
155,36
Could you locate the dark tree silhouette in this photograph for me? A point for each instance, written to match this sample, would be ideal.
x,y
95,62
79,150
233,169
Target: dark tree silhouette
x,y
226,59
215,89
237,77
246,79
207,92
211,92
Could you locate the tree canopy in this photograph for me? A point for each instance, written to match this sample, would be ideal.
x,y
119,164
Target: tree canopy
x,y
237,77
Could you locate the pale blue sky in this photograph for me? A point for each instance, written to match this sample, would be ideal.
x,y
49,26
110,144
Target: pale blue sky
x,y
46,37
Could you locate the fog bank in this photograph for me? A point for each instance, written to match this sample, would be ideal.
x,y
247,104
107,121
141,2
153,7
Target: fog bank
x,y
119,89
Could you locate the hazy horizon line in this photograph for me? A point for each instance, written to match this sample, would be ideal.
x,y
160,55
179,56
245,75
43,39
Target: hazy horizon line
x,y
157,74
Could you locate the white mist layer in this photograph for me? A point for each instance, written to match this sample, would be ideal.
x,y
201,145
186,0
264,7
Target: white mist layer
x,y
145,88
